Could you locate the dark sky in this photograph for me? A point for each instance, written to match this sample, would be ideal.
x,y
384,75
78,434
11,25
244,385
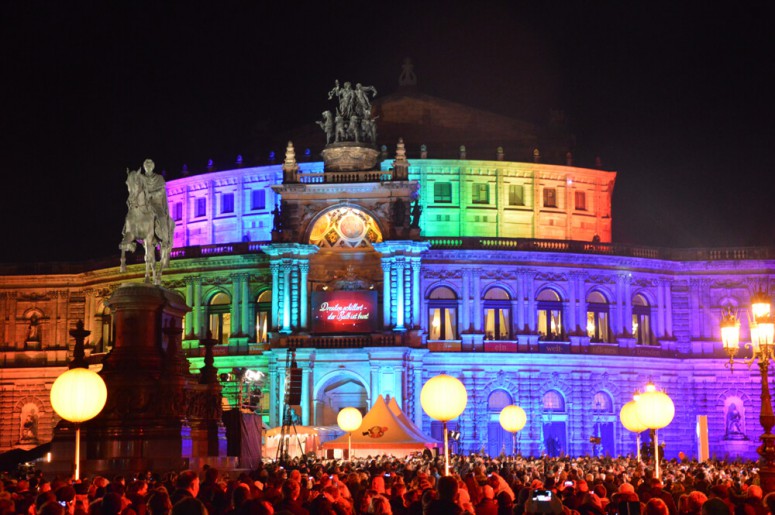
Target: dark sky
x,y
677,97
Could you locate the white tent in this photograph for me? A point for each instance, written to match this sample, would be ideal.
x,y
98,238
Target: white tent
x,y
308,437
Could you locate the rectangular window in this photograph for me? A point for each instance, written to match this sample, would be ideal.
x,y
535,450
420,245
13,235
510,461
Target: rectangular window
x,y
262,326
227,203
442,192
257,200
516,195
201,207
177,211
581,200
550,197
443,322
480,193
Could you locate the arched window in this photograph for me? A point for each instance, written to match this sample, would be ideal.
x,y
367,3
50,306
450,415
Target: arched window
x,y
554,402
641,321
263,313
598,329
550,319
442,314
497,314
219,317
498,400
602,403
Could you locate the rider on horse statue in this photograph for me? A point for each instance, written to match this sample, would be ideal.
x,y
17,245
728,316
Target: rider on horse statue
x,y
148,220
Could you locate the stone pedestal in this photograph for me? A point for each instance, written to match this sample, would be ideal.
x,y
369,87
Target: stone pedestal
x,y
157,414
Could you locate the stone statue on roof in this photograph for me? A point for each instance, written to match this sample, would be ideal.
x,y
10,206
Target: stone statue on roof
x,y
352,121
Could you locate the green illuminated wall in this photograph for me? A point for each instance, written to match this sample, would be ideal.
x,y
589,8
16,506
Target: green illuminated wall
x,y
512,200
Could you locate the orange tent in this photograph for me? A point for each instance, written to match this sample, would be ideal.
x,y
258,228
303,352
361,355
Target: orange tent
x,y
384,432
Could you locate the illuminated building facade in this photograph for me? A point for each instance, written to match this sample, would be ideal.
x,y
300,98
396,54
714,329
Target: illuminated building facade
x,y
500,273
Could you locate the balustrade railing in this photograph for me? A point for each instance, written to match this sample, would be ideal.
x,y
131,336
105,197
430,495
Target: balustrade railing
x,y
343,177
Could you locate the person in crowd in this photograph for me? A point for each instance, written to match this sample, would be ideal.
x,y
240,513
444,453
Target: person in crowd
x,y
159,502
487,506
186,485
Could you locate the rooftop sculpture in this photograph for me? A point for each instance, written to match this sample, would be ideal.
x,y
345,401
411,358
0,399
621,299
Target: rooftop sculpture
x,y
353,120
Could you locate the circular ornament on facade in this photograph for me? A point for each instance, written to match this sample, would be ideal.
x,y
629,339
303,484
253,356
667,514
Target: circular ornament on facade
x,y
351,227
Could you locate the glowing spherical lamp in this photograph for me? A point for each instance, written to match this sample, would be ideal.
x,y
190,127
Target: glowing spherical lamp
x,y
78,395
443,398
629,418
655,410
513,419
349,420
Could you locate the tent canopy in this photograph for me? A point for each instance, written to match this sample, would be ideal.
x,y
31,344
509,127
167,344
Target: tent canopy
x,y
385,429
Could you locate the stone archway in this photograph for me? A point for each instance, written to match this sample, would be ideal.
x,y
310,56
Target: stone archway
x,y
339,390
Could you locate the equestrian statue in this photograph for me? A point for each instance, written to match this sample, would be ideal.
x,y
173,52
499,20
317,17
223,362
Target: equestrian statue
x,y
148,221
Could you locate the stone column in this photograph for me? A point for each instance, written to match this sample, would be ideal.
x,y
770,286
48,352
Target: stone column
x,y
198,309
531,300
572,325
660,329
373,387
274,266
400,268
189,321
303,271
88,315
247,327
275,387
466,311
477,300
520,308
286,274
668,309
582,298
295,276
618,326
235,310
306,398
628,304
386,301
417,413
416,292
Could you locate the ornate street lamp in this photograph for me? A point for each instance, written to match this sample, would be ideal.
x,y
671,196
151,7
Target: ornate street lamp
x,y
443,398
79,394
655,410
349,420
629,418
762,329
513,419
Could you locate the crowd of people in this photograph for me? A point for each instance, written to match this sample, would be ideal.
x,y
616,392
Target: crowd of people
x,y
477,485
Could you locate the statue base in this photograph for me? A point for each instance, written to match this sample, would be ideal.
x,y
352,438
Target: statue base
x,y
349,156
157,414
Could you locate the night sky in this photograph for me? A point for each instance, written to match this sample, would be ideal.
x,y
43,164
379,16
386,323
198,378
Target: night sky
x,y
677,97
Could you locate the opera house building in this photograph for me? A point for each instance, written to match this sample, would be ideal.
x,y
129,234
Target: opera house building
x,y
473,246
